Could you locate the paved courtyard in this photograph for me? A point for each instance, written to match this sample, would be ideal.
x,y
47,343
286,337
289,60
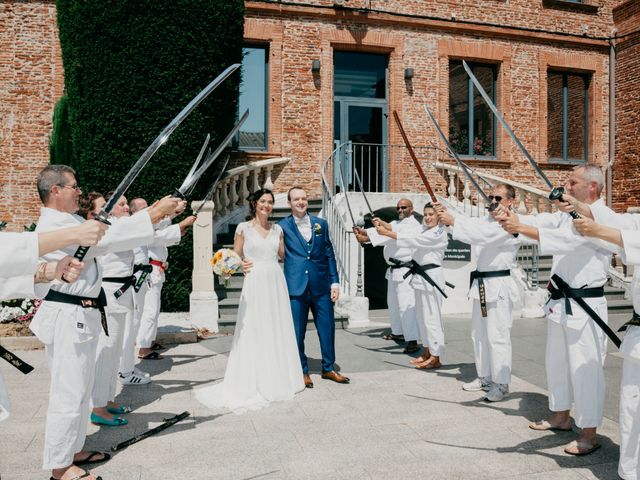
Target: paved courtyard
x,y
392,421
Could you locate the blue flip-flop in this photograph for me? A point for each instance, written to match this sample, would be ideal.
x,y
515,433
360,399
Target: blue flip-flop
x,y
113,422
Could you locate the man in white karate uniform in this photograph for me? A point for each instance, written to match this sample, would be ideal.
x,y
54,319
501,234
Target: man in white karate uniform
x,y
400,294
493,291
21,269
621,235
165,235
71,317
576,346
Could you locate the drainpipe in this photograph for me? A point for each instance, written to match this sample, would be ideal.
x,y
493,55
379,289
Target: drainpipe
x,y
612,114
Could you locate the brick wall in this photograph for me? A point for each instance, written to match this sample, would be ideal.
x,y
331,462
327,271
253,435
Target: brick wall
x,y
626,171
523,38
31,80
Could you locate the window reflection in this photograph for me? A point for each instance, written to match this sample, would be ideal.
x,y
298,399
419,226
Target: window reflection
x,y
359,75
253,96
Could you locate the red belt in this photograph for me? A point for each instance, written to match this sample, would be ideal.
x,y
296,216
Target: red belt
x,y
157,263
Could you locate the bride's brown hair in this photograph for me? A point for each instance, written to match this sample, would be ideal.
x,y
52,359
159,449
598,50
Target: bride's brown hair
x,y
253,200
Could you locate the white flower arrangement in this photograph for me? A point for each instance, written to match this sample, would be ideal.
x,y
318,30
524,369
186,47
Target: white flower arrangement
x,y
18,310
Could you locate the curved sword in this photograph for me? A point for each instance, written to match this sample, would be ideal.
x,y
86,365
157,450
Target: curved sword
x,y
197,162
153,148
454,154
556,192
209,194
344,188
208,161
355,172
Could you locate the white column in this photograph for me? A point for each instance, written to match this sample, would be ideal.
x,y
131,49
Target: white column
x,y
203,301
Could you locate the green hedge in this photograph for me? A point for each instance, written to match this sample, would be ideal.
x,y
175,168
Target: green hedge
x,y
130,67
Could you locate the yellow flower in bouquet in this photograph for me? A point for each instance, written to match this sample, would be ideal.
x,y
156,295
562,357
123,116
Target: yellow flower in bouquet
x,y
225,262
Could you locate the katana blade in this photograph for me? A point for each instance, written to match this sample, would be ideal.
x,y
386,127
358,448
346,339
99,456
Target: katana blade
x,y
495,111
414,158
454,154
151,149
209,194
344,188
164,136
366,200
211,157
197,162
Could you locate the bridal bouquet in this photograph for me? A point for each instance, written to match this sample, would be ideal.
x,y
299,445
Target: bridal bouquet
x,y
225,262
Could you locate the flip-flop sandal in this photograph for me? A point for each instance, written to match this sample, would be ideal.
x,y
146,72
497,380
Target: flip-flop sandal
x,y
151,356
583,448
428,366
121,410
543,426
395,338
86,474
113,422
157,346
94,457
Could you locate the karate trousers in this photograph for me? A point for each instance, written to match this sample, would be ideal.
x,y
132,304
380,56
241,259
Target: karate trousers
x,y
150,313
108,359
575,370
629,465
429,314
491,338
402,309
72,365
131,329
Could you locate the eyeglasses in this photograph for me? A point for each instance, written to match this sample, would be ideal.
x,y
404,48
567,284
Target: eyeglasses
x,y
497,198
73,187
401,207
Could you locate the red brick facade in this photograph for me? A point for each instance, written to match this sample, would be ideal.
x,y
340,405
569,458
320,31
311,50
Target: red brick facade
x,y
523,38
626,170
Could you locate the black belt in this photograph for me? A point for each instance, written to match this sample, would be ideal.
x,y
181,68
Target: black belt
x,y
84,302
146,269
395,263
416,269
13,359
561,289
634,322
126,282
478,275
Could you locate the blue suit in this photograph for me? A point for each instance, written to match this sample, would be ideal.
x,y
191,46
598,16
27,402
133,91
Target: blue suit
x,y
310,269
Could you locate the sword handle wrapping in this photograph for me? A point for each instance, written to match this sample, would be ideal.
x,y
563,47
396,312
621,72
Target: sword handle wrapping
x,y
176,194
81,252
556,194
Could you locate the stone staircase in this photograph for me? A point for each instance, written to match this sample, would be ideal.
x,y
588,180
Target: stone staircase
x,y
229,296
616,302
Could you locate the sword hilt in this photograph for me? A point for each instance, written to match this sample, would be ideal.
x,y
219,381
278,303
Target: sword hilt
x,y
556,194
177,194
81,252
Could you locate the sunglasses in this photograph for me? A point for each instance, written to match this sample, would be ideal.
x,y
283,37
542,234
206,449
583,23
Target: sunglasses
x,y
401,207
497,198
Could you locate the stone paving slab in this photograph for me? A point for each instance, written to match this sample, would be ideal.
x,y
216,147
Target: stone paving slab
x,y
393,421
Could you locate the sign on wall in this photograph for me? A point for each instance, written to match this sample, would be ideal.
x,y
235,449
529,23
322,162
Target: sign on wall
x,y
457,250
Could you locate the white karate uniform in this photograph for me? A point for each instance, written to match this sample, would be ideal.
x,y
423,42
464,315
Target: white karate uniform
x,y
18,264
495,250
576,346
128,359
428,248
165,236
629,411
70,334
119,313
400,295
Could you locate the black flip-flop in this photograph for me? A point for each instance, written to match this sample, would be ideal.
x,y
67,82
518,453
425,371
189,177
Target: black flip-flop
x,y
151,356
157,346
78,477
395,338
103,457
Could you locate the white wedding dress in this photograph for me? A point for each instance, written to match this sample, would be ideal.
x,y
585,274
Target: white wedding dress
x,y
264,364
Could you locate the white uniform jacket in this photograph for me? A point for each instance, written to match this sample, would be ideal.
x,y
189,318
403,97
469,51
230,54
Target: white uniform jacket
x,y
122,235
165,235
18,263
582,262
495,249
427,246
409,226
117,264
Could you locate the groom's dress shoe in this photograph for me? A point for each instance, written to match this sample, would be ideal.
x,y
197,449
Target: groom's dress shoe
x,y
307,381
335,376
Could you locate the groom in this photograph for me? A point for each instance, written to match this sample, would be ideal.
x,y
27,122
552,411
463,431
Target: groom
x,y
312,279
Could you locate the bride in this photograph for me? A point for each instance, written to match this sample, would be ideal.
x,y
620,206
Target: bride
x,y
264,365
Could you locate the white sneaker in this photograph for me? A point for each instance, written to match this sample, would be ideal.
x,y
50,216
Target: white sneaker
x,y
498,392
133,379
480,383
140,373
